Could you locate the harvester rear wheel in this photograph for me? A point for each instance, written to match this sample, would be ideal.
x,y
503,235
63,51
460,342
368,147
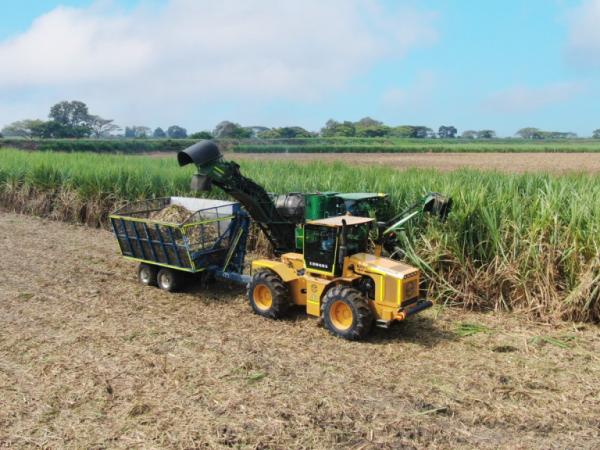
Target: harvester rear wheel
x,y
268,295
147,274
168,279
346,313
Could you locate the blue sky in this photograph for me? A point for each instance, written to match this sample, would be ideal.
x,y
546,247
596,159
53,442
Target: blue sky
x,y
501,65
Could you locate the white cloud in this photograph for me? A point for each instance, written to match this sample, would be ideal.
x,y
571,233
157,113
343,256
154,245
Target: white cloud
x,y
202,52
522,99
583,45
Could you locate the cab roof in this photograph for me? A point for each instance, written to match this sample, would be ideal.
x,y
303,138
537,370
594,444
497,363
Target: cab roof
x,y
337,221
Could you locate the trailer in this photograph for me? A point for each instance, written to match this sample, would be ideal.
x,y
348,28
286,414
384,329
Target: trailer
x,y
209,242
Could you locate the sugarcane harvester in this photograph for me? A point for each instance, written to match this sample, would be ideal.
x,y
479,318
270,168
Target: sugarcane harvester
x,y
323,262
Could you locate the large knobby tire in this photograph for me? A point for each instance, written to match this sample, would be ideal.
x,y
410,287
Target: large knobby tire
x,y
346,313
169,280
147,274
268,295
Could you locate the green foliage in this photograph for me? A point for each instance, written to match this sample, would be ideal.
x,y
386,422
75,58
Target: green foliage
x,y
561,343
159,133
373,131
596,134
201,135
406,145
176,132
137,132
99,145
486,134
22,128
333,129
447,132
536,133
469,329
285,133
226,129
308,145
70,114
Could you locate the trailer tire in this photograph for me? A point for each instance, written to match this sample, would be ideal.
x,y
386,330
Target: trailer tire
x,y
147,274
169,280
268,295
346,313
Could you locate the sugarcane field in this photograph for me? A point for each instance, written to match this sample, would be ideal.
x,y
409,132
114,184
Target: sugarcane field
x,y
310,225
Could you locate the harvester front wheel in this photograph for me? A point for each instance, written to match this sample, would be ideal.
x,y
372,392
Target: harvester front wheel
x,y
168,279
346,313
147,274
268,295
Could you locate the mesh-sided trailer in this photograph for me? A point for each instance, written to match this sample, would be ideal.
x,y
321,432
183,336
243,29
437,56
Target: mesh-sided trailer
x,y
212,238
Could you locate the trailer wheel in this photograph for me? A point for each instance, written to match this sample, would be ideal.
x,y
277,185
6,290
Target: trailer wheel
x,y
168,279
346,313
147,274
268,295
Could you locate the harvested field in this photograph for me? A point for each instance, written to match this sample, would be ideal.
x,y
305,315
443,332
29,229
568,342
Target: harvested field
x,y
91,359
510,163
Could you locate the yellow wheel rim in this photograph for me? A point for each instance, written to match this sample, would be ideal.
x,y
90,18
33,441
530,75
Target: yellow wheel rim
x,y
341,315
262,297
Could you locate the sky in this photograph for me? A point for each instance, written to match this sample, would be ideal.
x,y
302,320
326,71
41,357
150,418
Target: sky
x,y
496,64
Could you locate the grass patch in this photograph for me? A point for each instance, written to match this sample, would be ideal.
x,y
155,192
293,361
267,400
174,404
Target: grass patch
x,y
470,329
563,342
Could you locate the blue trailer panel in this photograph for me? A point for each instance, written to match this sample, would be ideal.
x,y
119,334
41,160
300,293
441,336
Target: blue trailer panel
x,y
213,236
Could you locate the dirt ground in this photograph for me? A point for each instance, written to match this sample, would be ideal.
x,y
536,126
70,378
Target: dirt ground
x,y
505,162
91,359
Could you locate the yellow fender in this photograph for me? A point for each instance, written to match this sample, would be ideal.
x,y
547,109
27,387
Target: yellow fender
x,y
286,273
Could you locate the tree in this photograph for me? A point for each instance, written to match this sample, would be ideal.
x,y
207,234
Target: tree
x,y
373,131
137,132
226,129
528,133
486,134
596,134
403,131
285,133
159,133
421,132
201,135
469,134
22,128
366,122
72,114
258,130
336,129
176,132
102,127
447,132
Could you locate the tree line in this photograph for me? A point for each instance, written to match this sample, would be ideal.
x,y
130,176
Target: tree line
x,y
72,119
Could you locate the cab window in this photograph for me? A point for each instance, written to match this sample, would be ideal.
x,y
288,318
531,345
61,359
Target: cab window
x,y
320,247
